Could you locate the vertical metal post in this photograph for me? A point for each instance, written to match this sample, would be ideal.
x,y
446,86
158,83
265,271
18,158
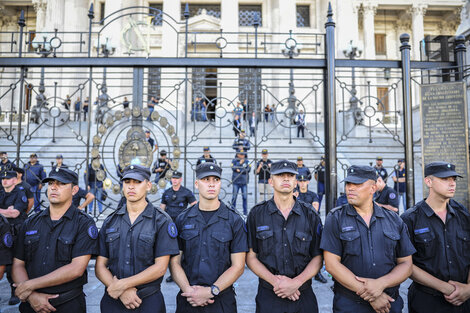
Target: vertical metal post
x,y
405,49
91,15
137,93
330,114
22,24
185,152
460,57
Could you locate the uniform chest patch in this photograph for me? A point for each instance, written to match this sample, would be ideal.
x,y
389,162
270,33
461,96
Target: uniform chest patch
x,y
347,228
422,230
31,232
8,240
188,226
392,195
93,232
261,228
172,230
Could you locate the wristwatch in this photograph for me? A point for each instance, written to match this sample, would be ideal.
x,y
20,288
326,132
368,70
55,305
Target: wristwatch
x,y
215,290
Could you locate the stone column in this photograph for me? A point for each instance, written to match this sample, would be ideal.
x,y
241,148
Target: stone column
x,y
369,9
40,8
229,23
55,13
417,12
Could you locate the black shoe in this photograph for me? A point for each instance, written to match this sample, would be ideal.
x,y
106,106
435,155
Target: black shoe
x,y
14,300
169,279
319,277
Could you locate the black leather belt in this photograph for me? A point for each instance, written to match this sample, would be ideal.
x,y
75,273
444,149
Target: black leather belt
x,y
147,291
265,284
66,297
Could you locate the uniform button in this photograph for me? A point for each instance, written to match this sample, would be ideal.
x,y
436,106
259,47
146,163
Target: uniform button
x,y
203,260
127,262
448,246
373,264
204,243
43,263
285,228
128,246
47,247
450,262
285,245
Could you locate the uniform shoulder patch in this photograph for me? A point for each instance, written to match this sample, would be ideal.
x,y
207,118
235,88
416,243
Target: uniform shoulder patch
x,y
172,230
8,240
93,232
24,199
319,229
392,195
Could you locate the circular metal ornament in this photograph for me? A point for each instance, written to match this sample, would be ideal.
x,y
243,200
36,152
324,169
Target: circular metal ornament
x,y
175,141
94,152
168,175
163,121
100,175
155,116
136,112
161,183
174,165
145,112
96,140
135,149
109,121
127,112
116,189
154,189
170,130
107,183
95,164
102,129
176,153
118,115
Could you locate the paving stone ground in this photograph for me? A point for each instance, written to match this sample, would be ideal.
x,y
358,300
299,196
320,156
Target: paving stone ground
x,y
245,287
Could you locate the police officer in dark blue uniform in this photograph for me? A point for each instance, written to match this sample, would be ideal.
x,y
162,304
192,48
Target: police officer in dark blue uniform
x,y
241,143
284,240
27,187
34,173
136,243
53,250
6,242
302,169
320,177
380,169
367,249
82,194
240,178
440,230
13,206
5,164
385,196
213,246
176,199
305,195
206,157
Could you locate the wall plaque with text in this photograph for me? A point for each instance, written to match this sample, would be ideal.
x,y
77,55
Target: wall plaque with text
x,y
444,130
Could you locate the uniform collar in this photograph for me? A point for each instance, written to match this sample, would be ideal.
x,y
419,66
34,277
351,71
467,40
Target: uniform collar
x,y
429,211
148,211
221,212
378,211
68,214
272,207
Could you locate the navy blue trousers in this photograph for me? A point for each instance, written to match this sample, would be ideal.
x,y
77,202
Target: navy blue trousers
x,y
224,303
344,304
268,302
151,304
